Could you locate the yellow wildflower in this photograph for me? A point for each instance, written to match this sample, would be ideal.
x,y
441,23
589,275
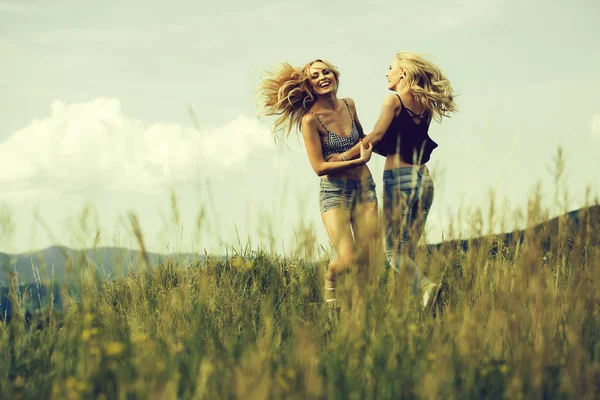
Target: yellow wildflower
x,y
139,338
178,347
88,318
71,383
19,381
241,264
160,366
114,348
237,262
88,333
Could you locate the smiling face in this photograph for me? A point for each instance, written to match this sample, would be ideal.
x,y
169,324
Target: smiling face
x,y
322,78
395,75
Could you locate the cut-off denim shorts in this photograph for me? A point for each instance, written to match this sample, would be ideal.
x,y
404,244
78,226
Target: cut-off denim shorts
x,y
345,193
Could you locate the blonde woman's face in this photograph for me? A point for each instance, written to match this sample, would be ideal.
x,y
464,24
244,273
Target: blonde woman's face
x,y
394,75
322,79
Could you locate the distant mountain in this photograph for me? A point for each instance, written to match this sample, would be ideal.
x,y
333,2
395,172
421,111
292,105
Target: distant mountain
x,y
585,220
59,261
116,261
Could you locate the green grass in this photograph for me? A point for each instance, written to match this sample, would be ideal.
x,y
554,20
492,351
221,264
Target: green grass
x,y
521,321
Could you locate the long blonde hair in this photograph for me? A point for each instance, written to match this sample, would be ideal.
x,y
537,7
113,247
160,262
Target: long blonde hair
x,y
428,85
286,91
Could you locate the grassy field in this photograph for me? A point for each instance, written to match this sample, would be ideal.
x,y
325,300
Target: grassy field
x,y
518,319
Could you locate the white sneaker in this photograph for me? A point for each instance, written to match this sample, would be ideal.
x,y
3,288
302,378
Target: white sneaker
x,y
431,292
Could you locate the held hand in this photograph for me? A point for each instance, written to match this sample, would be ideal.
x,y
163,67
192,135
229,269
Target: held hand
x,y
365,152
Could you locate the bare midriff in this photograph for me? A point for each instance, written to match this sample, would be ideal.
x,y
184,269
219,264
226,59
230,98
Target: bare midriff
x,y
360,172
393,161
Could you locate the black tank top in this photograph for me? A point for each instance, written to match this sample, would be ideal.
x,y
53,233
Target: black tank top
x,y
406,137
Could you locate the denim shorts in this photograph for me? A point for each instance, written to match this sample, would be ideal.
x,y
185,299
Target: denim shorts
x,y
345,193
407,198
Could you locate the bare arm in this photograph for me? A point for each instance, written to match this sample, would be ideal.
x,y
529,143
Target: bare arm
x,y
359,126
315,156
388,111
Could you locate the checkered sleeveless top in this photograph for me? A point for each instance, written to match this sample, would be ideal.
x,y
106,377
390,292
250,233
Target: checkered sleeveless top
x,y
336,143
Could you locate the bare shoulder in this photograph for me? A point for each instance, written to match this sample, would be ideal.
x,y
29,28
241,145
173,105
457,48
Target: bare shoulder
x,y
351,104
309,123
309,119
391,99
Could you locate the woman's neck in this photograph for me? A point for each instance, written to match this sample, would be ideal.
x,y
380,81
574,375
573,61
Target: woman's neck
x,y
327,102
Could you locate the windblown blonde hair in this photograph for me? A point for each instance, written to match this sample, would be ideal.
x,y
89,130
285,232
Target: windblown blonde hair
x,y
428,85
286,91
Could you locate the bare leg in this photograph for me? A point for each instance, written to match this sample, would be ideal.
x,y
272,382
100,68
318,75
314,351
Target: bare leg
x,y
365,227
337,224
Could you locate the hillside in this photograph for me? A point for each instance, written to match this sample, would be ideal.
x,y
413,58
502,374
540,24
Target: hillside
x,y
56,261
116,261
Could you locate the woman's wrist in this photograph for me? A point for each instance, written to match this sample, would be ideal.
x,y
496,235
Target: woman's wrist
x,y
344,157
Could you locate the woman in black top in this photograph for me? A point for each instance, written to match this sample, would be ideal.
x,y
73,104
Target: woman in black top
x,y
421,93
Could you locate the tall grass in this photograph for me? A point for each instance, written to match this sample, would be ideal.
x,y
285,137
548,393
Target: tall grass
x,y
518,319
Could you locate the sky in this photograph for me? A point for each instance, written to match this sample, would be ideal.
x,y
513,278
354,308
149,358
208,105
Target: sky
x,y
115,108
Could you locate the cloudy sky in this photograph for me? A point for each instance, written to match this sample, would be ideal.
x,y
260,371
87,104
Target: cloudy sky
x,y
113,106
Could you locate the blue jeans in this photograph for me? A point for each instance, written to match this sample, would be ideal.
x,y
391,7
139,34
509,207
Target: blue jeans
x,y
407,198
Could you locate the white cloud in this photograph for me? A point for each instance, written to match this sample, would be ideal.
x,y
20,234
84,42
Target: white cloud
x,y
95,146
